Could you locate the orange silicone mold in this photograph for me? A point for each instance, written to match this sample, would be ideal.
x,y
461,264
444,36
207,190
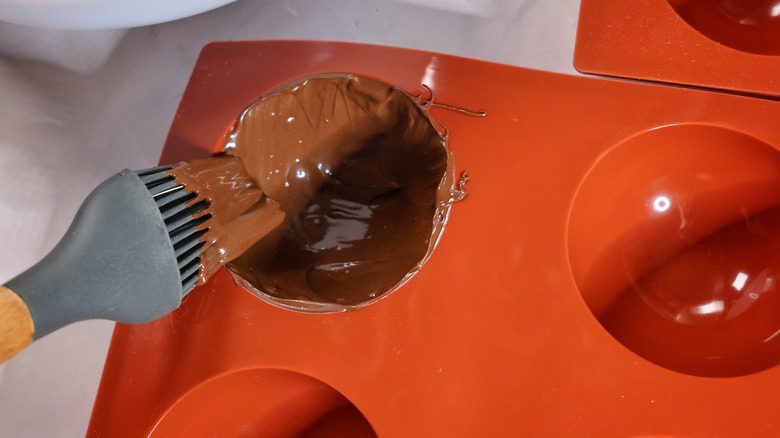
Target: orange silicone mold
x,y
725,44
540,313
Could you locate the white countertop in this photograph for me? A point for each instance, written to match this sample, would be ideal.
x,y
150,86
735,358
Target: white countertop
x,y
90,103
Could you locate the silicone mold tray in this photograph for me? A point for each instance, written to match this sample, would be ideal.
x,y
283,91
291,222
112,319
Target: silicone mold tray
x,y
519,324
725,44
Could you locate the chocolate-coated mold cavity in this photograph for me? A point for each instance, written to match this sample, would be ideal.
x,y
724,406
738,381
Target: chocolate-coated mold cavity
x,y
674,238
364,178
751,26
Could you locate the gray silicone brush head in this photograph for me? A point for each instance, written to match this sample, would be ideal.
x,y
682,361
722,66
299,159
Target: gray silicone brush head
x,y
130,255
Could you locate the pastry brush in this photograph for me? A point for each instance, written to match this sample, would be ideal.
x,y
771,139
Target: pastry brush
x,y
131,254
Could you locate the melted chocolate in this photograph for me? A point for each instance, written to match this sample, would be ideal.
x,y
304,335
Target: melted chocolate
x,y
363,178
240,213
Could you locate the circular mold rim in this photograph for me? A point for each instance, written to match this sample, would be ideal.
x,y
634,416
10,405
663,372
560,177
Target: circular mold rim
x,y
263,402
408,115
751,26
586,242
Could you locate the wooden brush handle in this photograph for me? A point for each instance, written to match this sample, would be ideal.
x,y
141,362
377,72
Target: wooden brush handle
x,y
16,324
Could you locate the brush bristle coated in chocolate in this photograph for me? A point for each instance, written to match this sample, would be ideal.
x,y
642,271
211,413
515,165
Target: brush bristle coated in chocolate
x,y
179,215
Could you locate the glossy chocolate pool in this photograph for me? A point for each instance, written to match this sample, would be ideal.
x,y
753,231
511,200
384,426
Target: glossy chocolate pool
x,y
362,176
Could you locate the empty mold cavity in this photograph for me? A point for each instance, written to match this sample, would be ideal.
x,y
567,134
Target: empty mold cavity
x,y
674,243
263,402
751,26
364,179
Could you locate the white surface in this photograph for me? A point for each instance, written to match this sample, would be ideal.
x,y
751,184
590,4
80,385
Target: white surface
x,y
101,14
66,126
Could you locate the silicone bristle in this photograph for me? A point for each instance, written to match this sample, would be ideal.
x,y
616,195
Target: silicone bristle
x,y
189,269
175,203
188,230
163,187
189,283
153,170
185,245
184,216
151,176
173,198
178,211
189,256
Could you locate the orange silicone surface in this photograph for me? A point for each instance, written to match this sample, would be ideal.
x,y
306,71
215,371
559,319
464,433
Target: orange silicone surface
x,y
725,44
493,337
